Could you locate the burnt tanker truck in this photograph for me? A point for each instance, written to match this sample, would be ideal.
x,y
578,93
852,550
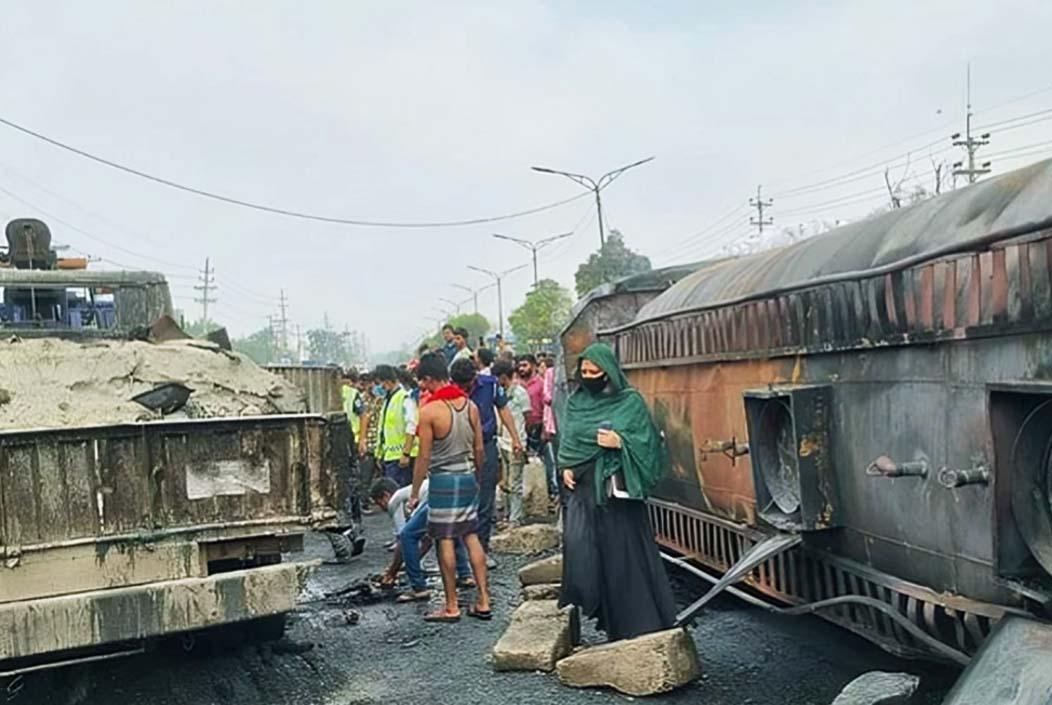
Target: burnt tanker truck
x,y
876,400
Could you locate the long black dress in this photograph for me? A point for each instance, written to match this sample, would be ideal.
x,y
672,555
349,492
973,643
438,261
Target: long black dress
x,y
612,569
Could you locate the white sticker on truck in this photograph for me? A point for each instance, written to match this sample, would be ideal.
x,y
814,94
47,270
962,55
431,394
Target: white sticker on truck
x,y
227,477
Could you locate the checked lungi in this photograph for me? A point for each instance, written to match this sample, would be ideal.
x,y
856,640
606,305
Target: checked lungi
x,y
453,498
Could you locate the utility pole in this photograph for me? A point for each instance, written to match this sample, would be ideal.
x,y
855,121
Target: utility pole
x,y
760,204
534,247
283,304
595,186
208,284
971,145
299,343
498,277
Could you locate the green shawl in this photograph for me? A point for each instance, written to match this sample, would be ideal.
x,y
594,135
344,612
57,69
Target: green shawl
x,y
641,458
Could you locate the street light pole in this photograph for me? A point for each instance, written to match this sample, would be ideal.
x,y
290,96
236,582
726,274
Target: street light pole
x,y
474,294
447,314
498,277
534,247
595,186
452,303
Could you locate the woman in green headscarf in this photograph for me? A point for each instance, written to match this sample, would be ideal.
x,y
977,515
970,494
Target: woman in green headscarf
x,y
612,455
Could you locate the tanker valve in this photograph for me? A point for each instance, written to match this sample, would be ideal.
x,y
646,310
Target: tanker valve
x,y
955,477
732,448
886,467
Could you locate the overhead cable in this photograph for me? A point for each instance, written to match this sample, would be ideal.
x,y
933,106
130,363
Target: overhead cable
x,y
279,210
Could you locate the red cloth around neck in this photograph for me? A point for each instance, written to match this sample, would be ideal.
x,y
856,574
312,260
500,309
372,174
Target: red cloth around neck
x,y
447,393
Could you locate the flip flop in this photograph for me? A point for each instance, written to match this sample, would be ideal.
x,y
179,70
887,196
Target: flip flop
x,y
466,583
484,615
442,618
412,596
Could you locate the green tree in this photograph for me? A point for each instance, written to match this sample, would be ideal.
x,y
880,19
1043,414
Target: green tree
x,y
612,262
543,313
478,326
261,347
328,346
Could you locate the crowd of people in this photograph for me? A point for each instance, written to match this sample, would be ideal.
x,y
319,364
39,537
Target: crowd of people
x,y
437,435
436,438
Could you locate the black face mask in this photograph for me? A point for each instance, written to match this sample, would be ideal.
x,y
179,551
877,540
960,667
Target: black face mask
x,y
594,384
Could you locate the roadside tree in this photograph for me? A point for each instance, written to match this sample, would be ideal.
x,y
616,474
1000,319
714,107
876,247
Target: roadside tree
x,y
612,262
544,312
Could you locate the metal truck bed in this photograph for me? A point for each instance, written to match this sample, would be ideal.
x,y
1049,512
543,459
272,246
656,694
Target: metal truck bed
x,y
105,517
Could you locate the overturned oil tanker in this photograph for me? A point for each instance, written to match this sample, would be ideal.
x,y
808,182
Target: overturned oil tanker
x,y
884,392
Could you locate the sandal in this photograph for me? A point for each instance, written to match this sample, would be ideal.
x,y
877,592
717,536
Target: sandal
x,y
442,617
413,596
484,615
466,583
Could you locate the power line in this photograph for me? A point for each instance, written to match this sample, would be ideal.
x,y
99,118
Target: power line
x,y
1008,121
234,287
275,209
941,129
690,241
87,234
861,173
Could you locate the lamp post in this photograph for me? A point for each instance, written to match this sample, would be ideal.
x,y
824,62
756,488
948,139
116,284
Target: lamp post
x,y
534,247
474,294
595,186
498,277
452,303
446,314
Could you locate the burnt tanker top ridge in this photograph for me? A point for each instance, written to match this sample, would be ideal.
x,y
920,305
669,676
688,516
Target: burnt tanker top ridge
x,y
1013,204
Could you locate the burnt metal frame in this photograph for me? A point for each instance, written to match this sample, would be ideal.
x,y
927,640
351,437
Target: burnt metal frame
x,y
806,575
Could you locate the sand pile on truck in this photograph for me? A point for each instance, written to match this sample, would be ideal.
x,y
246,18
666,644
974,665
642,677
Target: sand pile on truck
x,y
53,383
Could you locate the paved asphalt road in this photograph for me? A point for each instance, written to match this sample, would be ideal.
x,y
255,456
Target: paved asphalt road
x,y
390,656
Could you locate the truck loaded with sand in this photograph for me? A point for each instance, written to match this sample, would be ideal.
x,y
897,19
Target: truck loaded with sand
x,y
150,484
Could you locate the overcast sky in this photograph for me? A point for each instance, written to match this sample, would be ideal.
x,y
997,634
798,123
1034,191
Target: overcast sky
x,y
431,111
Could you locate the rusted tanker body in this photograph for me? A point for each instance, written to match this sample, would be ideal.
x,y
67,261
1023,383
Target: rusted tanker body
x,y
884,389
111,535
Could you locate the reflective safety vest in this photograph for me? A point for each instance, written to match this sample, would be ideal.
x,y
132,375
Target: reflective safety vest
x,y
350,396
392,430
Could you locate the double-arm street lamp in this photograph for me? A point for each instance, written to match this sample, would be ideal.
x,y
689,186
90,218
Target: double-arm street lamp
x,y
533,247
498,277
595,186
452,303
473,293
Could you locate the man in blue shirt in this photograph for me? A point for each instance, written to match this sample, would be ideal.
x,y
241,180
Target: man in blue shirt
x,y
449,347
491,400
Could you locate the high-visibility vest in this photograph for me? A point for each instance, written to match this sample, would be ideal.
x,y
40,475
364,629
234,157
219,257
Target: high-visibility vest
x,y
350,396
392,431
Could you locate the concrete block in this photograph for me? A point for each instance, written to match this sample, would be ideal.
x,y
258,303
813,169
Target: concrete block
x,y
538,636
879,688
535,490
646,665
543,591
546,570
526,540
